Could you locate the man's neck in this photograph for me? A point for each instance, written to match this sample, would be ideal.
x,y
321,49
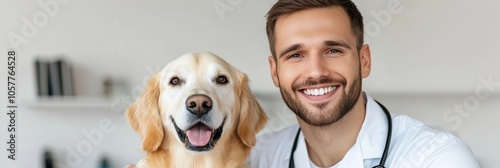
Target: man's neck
x,y
327,145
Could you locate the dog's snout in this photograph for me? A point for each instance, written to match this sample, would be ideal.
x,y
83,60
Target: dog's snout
x,y
199,104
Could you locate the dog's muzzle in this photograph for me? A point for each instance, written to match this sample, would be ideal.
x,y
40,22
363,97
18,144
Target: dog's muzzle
x,y
199,137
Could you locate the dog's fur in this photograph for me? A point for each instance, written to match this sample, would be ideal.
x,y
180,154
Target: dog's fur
x,y
235,109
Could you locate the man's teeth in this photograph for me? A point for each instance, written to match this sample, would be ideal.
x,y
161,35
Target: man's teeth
x,y
318,92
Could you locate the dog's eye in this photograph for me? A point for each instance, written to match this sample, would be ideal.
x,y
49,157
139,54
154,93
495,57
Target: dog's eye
x,y
175,81
222,80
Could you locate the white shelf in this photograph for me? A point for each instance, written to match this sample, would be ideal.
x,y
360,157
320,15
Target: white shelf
x,y
70,102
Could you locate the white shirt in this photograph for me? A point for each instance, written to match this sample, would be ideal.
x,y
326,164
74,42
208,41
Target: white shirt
x,y
412,145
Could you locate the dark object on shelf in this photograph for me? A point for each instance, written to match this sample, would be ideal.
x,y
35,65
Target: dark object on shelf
x,y
42,77
48,160
54,78
107,86
67,79
113,86
104,163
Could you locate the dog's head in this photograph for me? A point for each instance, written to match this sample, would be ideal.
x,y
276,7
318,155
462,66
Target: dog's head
x,y
200,99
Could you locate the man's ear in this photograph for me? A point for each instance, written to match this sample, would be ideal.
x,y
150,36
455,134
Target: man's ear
x,y
273,68
365,61
144,116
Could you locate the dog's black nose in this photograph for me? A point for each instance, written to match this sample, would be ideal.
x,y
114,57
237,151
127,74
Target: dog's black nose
x,y
199,104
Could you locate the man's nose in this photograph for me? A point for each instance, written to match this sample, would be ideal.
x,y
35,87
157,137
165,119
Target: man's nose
x,y
317,67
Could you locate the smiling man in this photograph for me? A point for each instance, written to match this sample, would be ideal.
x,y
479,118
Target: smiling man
x,y
318,62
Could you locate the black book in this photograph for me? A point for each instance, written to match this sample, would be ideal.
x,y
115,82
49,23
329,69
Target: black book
x,y
55,78
42,77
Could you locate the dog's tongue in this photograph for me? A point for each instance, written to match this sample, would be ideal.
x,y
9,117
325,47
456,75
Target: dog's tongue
x,y
199,135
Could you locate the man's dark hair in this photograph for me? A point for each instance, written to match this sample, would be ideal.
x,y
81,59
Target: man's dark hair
x,y
285,7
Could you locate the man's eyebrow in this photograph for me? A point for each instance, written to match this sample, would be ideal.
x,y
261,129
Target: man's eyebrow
x,y
290,49
337,43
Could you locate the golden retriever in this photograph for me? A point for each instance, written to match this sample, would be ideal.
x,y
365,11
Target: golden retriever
x,y
197,112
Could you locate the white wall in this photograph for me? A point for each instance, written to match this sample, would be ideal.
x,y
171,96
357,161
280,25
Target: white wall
x,y
436,46
440,49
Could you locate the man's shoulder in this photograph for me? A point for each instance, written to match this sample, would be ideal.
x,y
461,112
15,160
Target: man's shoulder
x,y
273,146
269,137
424,146
408,129
277,139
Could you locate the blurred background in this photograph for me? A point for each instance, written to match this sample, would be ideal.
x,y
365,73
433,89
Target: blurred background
x,y
436,61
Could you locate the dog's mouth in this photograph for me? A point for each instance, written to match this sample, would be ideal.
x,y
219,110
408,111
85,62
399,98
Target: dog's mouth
x,y
199,137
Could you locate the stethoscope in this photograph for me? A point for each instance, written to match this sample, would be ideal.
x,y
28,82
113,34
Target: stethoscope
x,y
386,148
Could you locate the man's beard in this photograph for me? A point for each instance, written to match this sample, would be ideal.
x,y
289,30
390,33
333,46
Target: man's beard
x,y
323,118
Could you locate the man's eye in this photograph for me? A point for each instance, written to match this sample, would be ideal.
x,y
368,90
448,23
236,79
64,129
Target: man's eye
x,y
334,51
294,56
175,81
221,79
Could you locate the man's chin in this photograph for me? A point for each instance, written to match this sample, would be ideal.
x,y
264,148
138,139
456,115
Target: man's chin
x,y
319,122
319,117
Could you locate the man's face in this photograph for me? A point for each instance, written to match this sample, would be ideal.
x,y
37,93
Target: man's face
x,y
318,68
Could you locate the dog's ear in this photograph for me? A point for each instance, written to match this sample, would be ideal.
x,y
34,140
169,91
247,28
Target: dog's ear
x,y
144,116
252,117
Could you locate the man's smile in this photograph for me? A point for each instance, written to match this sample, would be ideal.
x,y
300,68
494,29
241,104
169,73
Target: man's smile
x,y
319,93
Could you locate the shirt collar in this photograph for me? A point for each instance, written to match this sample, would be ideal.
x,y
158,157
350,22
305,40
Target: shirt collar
x,y
373,133
301,156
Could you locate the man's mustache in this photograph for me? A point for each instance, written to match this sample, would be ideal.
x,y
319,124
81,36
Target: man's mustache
x,y
319,81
